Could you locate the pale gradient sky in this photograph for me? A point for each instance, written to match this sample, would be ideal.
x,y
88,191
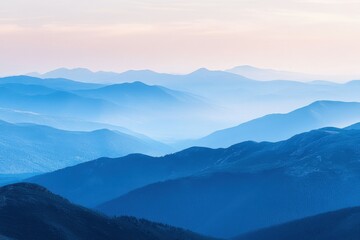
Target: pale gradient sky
x,y
313,36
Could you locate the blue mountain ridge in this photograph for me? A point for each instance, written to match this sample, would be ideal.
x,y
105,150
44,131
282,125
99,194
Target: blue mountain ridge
x,y
255,185
223,192
30,148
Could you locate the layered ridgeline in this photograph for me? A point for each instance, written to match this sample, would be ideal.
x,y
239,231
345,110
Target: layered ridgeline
x,y
30,148
277,127
70,105
236,83
223,192
38,95
86,75
237,98
94,182
341,224
31,212
254,185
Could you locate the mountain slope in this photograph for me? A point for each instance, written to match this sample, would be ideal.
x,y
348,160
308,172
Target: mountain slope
x,y
355,126
234,99
54,83
342,224
94,182
276,127
255,185
31,212
35,148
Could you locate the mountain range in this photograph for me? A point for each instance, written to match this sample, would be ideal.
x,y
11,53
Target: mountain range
x,y
223,192
226,87
265,152
86,75
256,73
255,185
68,104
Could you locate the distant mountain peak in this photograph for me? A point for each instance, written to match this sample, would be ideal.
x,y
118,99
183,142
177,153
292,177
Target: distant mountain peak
x,y
201,70
248,67
141,71
79,69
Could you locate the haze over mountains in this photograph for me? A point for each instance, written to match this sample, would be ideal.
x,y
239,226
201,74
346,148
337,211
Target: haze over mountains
x,y
237,98
133,105
29,148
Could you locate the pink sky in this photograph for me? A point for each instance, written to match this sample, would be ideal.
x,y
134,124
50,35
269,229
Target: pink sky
x,y
313,36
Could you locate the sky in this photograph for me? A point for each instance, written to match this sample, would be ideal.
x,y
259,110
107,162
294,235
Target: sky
x,y
311,36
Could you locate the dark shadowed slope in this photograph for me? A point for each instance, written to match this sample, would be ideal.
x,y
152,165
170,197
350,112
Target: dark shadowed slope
x,y
342,224
277,127
254,185
29,211
29,148
94,182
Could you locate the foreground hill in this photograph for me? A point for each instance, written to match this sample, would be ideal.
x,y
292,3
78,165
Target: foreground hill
x,y
31,212
255,185
32,148
277,127
342,224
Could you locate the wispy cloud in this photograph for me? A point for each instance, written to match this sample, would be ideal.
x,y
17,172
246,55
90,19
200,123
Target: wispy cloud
x,y
184,34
